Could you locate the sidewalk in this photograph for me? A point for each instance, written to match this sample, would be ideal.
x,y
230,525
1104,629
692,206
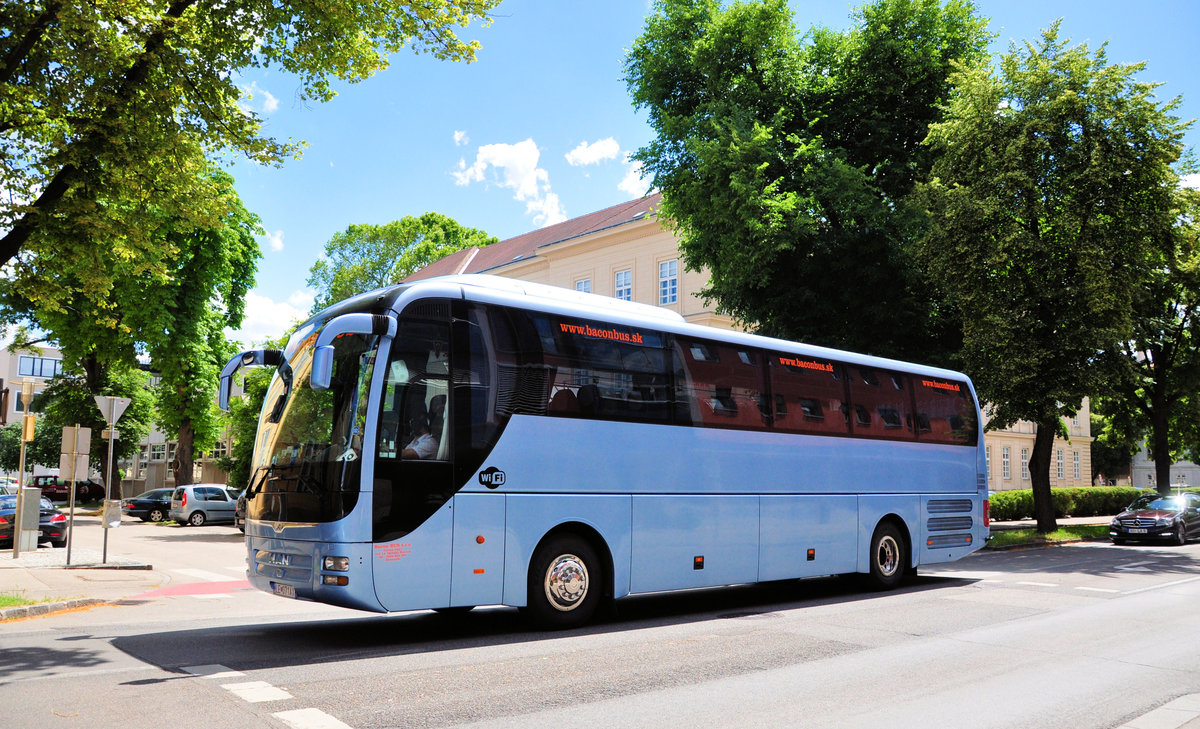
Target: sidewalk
x,y
43,575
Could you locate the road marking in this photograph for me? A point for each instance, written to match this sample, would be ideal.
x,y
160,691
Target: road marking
x,y
256,692
1159,587
211,671
1098,589
309,719
1038,584
201,574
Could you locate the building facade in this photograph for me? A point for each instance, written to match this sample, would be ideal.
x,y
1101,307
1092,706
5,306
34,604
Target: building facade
x,y
626,252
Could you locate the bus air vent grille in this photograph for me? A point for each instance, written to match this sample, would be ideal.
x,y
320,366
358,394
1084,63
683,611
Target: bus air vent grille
x,y
950,523
950,506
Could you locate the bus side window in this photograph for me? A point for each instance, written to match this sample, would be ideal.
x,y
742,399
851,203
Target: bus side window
x,y
881,402
810,395
719,385
945,411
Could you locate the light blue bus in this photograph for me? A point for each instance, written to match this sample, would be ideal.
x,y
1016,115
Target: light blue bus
x,y
475,440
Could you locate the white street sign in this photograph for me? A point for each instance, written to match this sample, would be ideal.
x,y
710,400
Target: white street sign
x,y
111,408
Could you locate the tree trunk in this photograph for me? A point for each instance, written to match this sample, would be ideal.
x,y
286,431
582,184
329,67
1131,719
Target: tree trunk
x,y
1039,476
185,454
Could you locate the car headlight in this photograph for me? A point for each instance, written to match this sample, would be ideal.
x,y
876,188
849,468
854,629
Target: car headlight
x,y
1165,522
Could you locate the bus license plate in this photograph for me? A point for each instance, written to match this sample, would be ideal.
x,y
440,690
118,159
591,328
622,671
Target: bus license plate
x,y
283,590
1138,531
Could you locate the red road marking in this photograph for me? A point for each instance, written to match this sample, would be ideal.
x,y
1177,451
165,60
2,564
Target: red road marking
x,y
198,588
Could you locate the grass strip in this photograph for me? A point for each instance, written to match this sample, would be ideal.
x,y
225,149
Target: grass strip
x,y
1031,537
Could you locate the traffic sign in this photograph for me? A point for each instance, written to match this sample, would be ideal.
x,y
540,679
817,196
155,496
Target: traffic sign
x,y
112,407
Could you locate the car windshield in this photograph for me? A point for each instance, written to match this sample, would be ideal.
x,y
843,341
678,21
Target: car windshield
x,y
1167,503
8,502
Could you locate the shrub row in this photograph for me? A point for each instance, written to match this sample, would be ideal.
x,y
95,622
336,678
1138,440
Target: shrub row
x,y
1082,501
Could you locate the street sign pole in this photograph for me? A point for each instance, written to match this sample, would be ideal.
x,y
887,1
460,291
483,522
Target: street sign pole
x,y
111,408
27,425
76,443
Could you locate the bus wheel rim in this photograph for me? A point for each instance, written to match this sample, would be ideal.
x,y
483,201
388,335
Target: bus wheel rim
x,y
887,557
566,582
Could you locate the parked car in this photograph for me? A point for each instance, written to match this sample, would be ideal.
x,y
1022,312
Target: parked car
x,y
57,488
239,512
153,505
201,503
52,524
1174,518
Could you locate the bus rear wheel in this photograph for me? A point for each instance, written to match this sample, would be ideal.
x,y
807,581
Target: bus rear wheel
x,y
889,556
565,583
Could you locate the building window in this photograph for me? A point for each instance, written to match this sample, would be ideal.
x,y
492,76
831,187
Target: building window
x,y
1024,464
220,450
1059,460
1005,462
158,451
1075,464
624,285
34,406
668,282
584,285
39,366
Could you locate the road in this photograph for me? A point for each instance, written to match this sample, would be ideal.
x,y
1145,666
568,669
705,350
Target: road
x,y
1083,636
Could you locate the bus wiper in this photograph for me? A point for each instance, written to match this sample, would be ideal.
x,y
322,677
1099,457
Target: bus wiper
x,y
285,374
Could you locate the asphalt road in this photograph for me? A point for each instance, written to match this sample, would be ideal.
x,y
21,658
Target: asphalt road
x,y
1083,636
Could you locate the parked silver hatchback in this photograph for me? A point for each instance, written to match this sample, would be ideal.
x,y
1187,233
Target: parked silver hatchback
x,y
201,503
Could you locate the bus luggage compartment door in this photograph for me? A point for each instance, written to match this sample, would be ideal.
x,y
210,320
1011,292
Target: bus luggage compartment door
x,y
477,576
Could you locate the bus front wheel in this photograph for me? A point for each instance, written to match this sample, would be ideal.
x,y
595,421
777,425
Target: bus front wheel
x,y
565,583
889,556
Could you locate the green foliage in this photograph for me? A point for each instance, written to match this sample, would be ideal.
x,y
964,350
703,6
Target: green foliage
x,y
367,257
68,400
110,107
784,166
1112,449
1078,501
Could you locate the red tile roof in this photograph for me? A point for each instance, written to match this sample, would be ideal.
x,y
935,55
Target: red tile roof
x,y
486,258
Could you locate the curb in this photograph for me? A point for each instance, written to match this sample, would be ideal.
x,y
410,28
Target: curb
x,y
48,608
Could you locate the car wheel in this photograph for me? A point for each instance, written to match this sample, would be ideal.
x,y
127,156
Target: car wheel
x,y
565,583
1180,535
59,545
197,518
155,515
1118,541
889,556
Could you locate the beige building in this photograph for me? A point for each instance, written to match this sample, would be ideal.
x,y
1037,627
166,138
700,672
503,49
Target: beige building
x,y
624,251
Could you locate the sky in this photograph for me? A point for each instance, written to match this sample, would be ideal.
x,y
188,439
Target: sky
x,y
538,129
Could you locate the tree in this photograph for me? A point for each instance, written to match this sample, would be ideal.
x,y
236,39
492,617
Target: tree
x,y
103,104
1112,449
1156,371
366,257
1053,182
182,320
69,400
784,166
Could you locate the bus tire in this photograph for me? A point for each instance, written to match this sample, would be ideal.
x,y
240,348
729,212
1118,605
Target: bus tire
x,y
566,583
889,556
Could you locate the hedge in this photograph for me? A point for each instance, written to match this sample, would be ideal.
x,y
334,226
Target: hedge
x,y
1081,501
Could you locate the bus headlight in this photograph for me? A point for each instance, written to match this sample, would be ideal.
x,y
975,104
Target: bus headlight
x,y
336,564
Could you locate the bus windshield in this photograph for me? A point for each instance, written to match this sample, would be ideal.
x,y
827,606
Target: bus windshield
x,y
308,456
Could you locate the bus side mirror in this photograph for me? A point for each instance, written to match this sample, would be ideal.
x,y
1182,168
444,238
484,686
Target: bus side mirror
x,y
322,367
322,363
249,358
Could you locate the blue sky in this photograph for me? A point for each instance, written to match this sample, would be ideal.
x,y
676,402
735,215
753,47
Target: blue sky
x,y
537,129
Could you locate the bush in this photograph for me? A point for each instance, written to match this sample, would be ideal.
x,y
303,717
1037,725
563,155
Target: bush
x,y
1082,501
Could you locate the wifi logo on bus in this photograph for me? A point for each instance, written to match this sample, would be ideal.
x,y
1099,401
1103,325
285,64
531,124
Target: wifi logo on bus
x,y
492,477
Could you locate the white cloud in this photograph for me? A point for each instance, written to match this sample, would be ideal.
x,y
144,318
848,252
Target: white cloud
x,y
267,102
460,138
275,240
268,319
633,184
594,153
1192,181
515,166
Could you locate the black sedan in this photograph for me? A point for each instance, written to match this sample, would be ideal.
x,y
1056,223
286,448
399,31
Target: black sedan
x,y
1155,517
153,505
52,526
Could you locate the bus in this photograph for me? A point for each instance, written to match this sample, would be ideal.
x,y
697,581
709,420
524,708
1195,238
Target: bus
x,y
474,440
